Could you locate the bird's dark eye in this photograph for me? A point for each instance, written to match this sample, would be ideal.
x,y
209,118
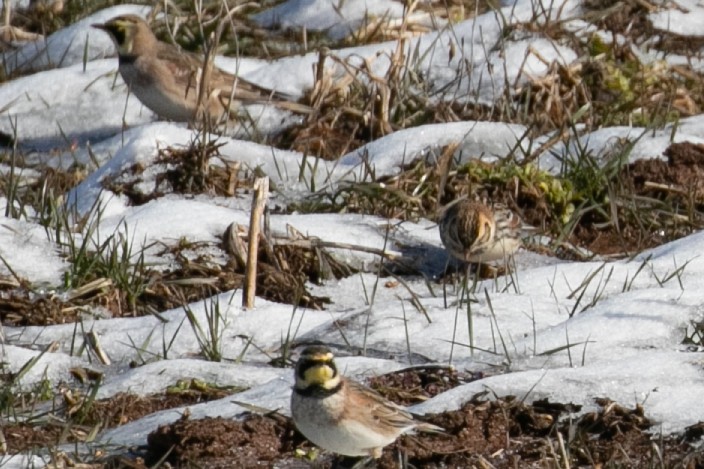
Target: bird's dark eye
x,y
119,32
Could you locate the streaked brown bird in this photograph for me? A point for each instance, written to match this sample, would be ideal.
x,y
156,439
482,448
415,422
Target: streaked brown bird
x,y
473,232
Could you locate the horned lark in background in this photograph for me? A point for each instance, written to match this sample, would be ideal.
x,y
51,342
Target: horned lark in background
x,y
341,415
475,233
167,79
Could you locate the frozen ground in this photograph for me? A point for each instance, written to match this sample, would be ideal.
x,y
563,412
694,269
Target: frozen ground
x,y
627,346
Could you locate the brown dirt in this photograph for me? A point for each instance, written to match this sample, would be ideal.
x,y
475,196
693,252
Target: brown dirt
x,y
223,443
680,178
503,434
655,201
630,19
124,408
105,413
23,436
419,384
670,204
20,307
17,308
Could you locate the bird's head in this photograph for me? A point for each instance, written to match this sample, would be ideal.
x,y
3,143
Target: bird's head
x,y
316,370
125,31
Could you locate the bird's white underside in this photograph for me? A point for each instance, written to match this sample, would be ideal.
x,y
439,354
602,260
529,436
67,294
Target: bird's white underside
x,y
347,437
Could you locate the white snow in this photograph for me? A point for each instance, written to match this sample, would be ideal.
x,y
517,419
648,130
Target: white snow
x,y
647,144
388,154
71,45
337,19
684,20
25,247
73,104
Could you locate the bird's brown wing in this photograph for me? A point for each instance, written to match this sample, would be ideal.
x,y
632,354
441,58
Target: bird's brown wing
x,y
184,68
247,92
384,415
221,86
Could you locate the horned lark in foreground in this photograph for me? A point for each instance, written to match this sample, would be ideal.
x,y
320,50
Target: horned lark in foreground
x,y
341,415
475,233
167,79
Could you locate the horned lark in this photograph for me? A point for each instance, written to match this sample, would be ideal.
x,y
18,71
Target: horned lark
x,y
341,415
167,79
473,232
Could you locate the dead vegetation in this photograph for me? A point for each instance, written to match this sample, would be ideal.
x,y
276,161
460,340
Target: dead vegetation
x,y
283,271
197,168
87,415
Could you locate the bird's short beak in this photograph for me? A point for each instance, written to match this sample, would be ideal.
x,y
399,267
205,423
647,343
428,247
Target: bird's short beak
x,y
99,26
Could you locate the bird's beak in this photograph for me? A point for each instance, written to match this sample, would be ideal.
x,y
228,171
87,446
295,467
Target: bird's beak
x,y
99,26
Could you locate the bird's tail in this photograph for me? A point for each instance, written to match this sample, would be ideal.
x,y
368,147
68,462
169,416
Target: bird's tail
x,y
298,108
428,428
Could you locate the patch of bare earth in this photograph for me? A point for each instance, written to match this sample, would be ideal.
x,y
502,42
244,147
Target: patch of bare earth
x,y
505,433
21,437
105,413
408,387
669,195
223,443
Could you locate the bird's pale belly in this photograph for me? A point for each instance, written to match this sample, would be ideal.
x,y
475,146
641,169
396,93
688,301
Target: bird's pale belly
x,y
164,105
322,428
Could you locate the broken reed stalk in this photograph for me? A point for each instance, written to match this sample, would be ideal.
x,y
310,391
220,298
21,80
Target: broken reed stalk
x,y
93,342
261,192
